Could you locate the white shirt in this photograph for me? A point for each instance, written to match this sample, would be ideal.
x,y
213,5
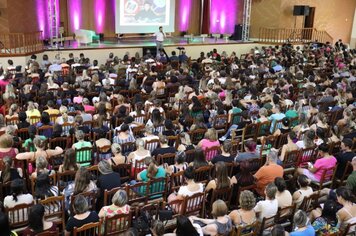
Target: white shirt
x,y
185,192
266,208
160,36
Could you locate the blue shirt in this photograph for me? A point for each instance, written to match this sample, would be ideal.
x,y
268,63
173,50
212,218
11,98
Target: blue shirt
x,y
274,118
309,231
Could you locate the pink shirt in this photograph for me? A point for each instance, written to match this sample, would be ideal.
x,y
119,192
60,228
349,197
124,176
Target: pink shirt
x,y
206,143
78,100
89,108
322,164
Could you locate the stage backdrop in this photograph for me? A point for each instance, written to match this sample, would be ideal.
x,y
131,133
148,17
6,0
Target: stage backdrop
x,y
142,16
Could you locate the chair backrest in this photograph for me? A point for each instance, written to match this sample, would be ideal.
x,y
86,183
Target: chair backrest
x,y
49,233
189,155
94,172
90,196
23,133
173,141
54,209
151,145
176,181
65,178
267,143
285,214
309,203
18,215
211,152
108,194
127,148
264,128
221,122
12,121
137,193
34,119
350,230
202,174
250,132
247,230
157,188
291,159
282,139
140,118
197,135
139,166
63,142
222,194
117,224
327,175
53,181
266,223
307,155
103,153
254,164
84,156
348,170
88,230
334,147
194,204
124,171
168,158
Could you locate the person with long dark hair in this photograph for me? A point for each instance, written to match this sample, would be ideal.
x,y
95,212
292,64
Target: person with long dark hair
x,y
326,223
5,225
37,223
43,188
17,197
199,159
185,227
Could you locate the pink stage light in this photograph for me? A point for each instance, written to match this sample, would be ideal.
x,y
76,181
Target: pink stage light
x,y
75,14
99,15
41,17
184,13
224,15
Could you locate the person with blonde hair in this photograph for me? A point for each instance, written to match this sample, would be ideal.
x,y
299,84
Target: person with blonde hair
x,y
32,110
210,140
40,147
6,146
246,214
221,224
118,158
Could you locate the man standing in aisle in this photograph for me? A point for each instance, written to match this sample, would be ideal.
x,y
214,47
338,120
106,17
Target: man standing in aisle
x,y
160,36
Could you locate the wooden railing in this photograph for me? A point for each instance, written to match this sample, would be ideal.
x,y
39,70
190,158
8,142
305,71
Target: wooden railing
x,y
21,44
297,35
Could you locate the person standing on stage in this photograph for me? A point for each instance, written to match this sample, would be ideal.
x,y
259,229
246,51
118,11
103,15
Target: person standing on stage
x,y
160,36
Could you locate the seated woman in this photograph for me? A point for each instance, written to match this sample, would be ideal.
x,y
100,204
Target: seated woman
x,y
245,215
6,146
210,140
185,143
179,164
41,168
156,121
82,183
152,171
300,221
347,214
118,158
289,146
220,225
107,180
314,172
222,179
307,141
119,205
40,146
45,121
199,159
269,207
124,135
9,172
17,197
69,161
326,221
304,190
82,215
283,196
100,143
189,189
37,223
138,155
186,227
23,123
44,188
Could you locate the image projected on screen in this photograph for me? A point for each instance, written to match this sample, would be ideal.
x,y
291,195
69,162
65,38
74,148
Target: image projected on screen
x,y
144,12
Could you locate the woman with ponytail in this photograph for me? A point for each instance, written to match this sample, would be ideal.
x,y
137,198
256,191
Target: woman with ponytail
x,y
8,173
17,197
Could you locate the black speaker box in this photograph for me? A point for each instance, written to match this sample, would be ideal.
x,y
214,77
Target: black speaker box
x,y
237,35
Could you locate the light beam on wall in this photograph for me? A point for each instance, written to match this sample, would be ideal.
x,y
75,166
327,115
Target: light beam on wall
x,y
184,13
75,13
223,16
99,15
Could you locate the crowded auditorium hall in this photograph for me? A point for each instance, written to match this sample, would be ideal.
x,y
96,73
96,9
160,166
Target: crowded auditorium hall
x,y
178,118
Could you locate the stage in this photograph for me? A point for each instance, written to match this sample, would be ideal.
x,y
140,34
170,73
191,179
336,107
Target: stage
x,y
144,41
132,45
